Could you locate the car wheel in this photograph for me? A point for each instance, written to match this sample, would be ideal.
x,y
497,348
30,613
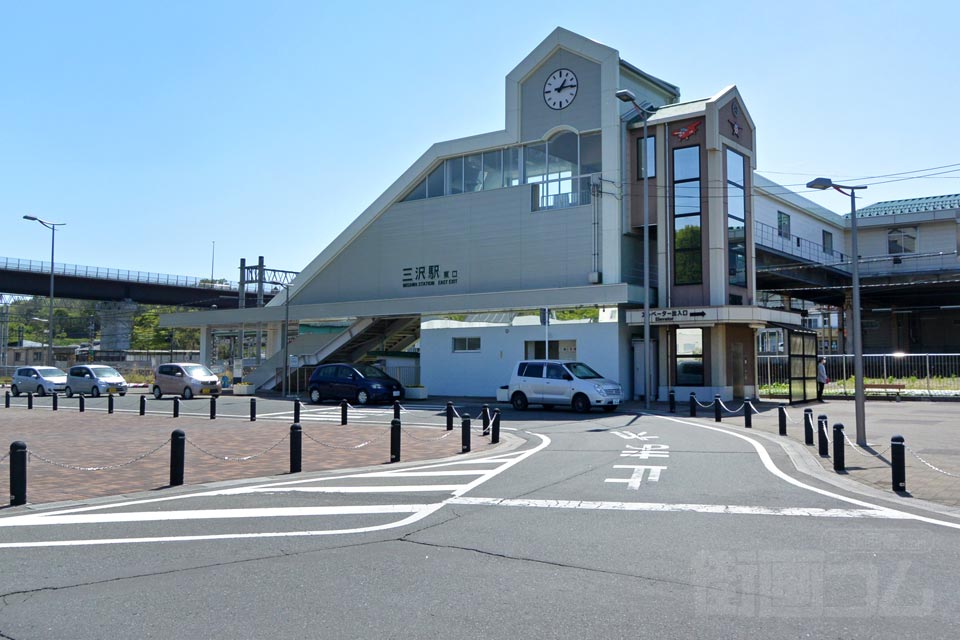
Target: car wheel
x,y
315,396
95,391
519,401
581,403
609,408
15,390
69,392
187,393
41,391
363,397
122,393
157,393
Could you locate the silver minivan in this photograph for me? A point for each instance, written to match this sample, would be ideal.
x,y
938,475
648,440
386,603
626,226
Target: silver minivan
x,y
38,380
187,379
94,380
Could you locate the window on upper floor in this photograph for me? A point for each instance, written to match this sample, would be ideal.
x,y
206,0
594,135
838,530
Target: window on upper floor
x,y
687,236
902,240
646,155
828,243
736,220
783,224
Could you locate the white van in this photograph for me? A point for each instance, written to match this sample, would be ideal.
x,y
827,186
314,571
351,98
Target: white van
x,y
562,382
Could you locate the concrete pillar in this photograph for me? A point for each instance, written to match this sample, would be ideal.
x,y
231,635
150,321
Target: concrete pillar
x,y
274,338
116,324
206,345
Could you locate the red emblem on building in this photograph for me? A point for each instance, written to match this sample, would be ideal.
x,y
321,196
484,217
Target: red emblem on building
x,y
687,131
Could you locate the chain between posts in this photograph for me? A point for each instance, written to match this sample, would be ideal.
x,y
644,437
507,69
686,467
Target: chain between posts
x,y
857,448
937,469
335,446
746,403
705,406
103,468
826,430
789,419
238,459
445,434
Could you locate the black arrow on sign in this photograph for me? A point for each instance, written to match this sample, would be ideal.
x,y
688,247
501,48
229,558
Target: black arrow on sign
x,y
698,313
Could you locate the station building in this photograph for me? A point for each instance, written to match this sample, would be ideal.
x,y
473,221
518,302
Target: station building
x,y
533,241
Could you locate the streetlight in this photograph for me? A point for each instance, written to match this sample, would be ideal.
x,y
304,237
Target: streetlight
x,y
625,95
859,398
53,236
286,341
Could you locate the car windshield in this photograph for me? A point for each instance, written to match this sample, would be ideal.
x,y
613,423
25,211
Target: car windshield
x,y
582,371
50,372
197,371
103,372
368,371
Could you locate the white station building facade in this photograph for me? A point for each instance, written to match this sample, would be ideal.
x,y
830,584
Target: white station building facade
x,y
483,236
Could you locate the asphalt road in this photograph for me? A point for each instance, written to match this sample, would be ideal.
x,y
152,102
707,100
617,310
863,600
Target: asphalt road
x,y
609,526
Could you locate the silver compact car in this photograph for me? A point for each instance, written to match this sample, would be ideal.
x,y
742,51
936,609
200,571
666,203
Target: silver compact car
x,y
94,380
187,379
38,380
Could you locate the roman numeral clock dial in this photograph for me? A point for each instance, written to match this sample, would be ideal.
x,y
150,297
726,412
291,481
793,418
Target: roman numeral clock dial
x,y
560,89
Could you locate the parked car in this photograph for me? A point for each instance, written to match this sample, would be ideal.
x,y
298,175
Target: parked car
x,y
187,379
94,380
39,380
562,382
360,383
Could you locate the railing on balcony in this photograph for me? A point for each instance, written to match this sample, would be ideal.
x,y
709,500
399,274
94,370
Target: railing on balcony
x,y
769,236
560,194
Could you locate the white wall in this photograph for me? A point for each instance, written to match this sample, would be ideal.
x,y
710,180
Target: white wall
x,y
479,374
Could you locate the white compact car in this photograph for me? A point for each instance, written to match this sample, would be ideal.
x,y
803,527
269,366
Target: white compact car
x,y
94,380
562,382
38,380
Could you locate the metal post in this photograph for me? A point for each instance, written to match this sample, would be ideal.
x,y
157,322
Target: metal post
x,y
110,403
898,463
449,416
808,426
822,445
395,440
747,413
296,448
716,408
82,404
253,411
343,412
839,464
213,407
465,435
178,442
859,394
55,401
29,401
673,400
6,400
485,416
18,473
143,405
296,411
693,405
176,407
396,409
782,411
495,433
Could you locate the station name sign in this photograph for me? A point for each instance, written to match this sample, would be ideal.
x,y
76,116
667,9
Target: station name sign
x,y
429,275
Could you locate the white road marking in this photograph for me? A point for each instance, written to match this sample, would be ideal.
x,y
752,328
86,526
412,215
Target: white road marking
x,y
636,479
627,435
408,488
696,508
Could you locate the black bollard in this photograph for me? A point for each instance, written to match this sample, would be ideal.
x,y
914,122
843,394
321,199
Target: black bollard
x,y
395,440
396,409
6,400
673,401
18,473
110,403
176,407
747,413
343,412
898,463
296,411
808,426
55,401
495,433
253,411
716,408
838,452
693,405
82,403
782,416
213,407
465,435
485,416
449,416
296,448
29,401
143,405
822,445
178,446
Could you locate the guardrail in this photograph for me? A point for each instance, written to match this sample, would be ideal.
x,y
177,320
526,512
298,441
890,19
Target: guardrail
x,y
124,275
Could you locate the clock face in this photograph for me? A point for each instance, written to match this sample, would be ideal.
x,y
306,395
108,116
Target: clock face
x,y
560,89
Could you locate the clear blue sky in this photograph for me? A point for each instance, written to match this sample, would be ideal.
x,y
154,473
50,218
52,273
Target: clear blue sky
x,y
155,128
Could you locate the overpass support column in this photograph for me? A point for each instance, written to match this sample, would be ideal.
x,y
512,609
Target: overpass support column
x,y
206,346
274,339
116,324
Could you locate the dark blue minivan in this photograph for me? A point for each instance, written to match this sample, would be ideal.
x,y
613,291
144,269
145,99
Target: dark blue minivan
x,y
359,383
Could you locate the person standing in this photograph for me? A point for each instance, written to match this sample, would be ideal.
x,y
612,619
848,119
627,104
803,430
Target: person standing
x,y
822,378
